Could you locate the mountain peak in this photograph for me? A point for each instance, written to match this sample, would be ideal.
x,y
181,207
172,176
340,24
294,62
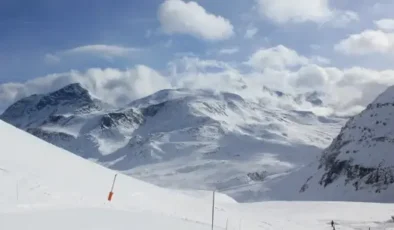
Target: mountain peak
x,y
73,95
74,87
72,98
386,97
71,91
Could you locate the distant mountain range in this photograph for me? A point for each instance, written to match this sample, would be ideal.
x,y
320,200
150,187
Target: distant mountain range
x,y
183,138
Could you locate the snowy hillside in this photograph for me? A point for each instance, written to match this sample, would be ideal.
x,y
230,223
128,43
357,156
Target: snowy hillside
x,y
44,188
359,163
193,139
36,175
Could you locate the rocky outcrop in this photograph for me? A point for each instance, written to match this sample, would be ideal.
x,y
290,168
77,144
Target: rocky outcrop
x,y
362,155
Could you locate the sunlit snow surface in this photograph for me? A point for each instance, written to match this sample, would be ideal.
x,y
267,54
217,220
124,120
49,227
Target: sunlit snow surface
x,y
46,188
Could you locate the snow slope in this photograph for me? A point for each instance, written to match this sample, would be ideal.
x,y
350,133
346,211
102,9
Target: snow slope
x,y
44,188
189,139
36,175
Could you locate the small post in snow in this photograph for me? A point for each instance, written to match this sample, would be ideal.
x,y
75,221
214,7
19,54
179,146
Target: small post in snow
x,y
111,193
213,208
17,190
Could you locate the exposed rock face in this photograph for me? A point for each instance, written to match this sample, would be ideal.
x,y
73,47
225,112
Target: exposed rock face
x,y
362,155
35,109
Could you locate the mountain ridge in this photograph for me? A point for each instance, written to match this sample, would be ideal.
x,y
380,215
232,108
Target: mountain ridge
x,y
199,139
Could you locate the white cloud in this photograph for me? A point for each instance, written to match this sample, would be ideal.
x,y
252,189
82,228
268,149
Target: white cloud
x,y
102,50
50,58
366,42
284,11
311,76
177,16
347,90
279,67
251,32
341,19
232,50
383,8
367,84
227,79
279,57
320,60
192,64
385,24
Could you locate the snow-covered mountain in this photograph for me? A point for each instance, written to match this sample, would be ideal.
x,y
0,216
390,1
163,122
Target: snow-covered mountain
x,y
198,139
35,109
359,163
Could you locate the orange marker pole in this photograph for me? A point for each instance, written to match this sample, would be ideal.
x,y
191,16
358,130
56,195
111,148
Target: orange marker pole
x,y
111,193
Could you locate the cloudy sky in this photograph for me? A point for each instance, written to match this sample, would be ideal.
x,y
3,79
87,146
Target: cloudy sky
x,y
126,49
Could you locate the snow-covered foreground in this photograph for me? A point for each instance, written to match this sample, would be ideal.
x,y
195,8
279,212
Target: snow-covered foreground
x,y
270,215
43,187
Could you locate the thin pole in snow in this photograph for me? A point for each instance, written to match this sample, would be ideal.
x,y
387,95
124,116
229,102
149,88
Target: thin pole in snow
x,y
213,208
111,193
17,190
113,183
224,189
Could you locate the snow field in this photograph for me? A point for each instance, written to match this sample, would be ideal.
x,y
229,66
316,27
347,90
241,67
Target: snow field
x,y
45,188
